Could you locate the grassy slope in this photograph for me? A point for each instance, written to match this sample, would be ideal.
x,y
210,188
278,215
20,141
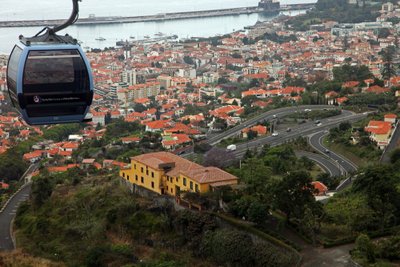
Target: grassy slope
x,y
98,219
21,259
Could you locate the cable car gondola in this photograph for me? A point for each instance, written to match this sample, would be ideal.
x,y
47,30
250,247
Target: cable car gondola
x,y
49,77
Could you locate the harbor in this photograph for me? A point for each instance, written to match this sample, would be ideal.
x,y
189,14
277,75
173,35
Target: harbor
x,y
263,7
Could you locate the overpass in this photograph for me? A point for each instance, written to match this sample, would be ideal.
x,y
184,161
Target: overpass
x,y
92,20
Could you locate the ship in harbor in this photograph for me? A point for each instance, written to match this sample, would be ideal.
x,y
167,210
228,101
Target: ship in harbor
x,y
270,7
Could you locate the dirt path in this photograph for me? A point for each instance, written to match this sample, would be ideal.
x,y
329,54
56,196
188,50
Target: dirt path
x,y
332,257
318,256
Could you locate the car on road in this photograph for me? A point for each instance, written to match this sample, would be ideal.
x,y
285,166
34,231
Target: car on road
x,y
327,151
274,116
288,130
319,124
275,134
231,147
307,110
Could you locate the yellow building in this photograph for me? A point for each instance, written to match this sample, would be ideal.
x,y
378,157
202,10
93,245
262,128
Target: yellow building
x,y
167,173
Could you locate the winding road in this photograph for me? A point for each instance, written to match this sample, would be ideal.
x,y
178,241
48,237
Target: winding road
x,y
8,212
302,130
346,166
327,165
269,115
7,216
333,163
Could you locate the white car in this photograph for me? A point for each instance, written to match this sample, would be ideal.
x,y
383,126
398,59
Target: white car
x,y
275,134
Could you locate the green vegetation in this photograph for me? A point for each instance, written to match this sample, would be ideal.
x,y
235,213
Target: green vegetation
x,y
12,166
61,132
274,37
347,73
353,143
338,10
372,206
120,128
93,220
275,180
111,147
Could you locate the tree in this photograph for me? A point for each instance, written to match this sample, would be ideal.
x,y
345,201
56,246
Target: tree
x,y
387,55
139,107
257,212
311,222
344,126
236,55
379,184
347,73
251,135
384,33
219,157
188,60
395,156
365,247
254,83
229,247
293,193
222,80
248,100
41,191
257,177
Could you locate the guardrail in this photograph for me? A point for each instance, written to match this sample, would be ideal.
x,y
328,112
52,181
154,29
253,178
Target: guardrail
x,y
384,153
19,189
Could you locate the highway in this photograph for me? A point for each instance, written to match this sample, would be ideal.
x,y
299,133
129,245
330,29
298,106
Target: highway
x,y
300,131
326,164
346,166
269,115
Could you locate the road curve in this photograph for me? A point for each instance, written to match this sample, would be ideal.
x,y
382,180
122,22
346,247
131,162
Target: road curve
x,y
316,141
300,131
281,112
326,164
8,214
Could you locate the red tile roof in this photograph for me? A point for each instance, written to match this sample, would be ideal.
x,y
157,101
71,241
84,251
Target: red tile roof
x,y
378,127
62,168
390,116
320,188
183,166
4,185
377,89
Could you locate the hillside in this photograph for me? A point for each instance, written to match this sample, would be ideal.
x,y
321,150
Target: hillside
x,y
81,220
338,10
19,258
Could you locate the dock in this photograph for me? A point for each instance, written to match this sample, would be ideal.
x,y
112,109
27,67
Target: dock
x,y
93,20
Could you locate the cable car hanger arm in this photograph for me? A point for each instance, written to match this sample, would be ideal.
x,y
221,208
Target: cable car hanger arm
x,y
72,19
48,34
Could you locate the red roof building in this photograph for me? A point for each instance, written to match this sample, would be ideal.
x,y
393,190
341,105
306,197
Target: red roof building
x,y
320,188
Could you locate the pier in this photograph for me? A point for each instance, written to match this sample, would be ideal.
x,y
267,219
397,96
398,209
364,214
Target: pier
x,y
92,20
